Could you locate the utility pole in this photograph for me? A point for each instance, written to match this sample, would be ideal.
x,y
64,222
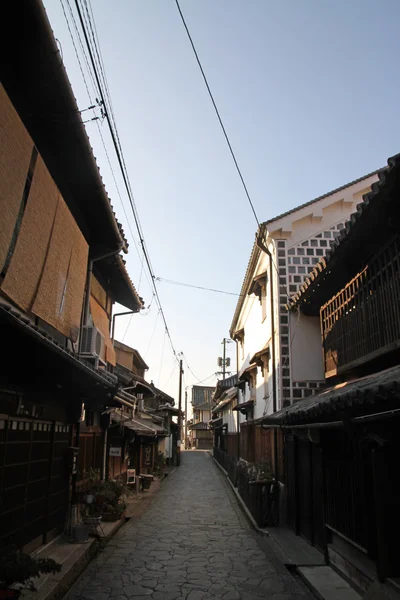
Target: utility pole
x,y
178,456
186,419
224,362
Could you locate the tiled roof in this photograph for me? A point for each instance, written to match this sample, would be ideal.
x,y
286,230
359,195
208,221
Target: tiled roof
x,y
138,357
200,425
21,320
255,253
339,189
360,396
368,199
223,385
135,301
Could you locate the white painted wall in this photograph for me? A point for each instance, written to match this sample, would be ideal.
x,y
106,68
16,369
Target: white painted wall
x,y
307,362
296,228
258,332
229,416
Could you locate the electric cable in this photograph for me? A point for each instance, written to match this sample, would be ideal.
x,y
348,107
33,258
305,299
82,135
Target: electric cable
x,y
198,287
121,161
218,114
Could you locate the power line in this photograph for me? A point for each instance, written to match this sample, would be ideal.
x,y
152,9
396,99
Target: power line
x,y
152,335
118,149
197,287
223,127
172,372
161,359
209,377
189,369
194,375
218,114
141,257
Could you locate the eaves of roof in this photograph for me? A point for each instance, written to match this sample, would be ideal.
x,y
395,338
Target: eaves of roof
x,y
255,253
248,278
137,424
35,79
356,220
200,425
223,385
122,290
226,399
24,324
344,401
310,202
138,357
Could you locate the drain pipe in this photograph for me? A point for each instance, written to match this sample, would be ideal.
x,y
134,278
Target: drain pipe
x,y
239,392
89,281
128,312
264,248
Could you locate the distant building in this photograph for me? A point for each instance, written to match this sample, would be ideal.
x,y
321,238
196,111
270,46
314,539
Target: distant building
x,y
201,435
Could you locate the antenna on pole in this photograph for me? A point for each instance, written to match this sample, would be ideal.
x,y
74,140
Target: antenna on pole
x,y
223,361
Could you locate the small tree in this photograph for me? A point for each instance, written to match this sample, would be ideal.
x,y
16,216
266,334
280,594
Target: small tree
x,y
18,567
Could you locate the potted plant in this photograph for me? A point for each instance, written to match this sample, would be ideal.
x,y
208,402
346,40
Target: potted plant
x,y
91,515
114,512
146,481
16,567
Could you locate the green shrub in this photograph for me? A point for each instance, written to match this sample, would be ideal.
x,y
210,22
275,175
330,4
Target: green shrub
x,y
18,567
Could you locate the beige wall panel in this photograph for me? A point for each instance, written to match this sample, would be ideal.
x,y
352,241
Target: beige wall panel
x,y
26,265
101,321
99,293
124,358
60,292
15,154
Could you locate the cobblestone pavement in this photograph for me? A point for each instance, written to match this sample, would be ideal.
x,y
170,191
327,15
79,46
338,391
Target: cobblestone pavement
x,y
192,543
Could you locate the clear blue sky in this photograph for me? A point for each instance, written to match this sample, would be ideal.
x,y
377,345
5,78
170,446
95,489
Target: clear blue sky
x,y
309,92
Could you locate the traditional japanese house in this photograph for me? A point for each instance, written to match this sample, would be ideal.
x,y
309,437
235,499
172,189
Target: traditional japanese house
x,y
224,422
202,437
60,273
342,444
275,370
144,433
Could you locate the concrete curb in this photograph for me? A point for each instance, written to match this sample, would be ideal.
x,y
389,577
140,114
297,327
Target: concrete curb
x,y
55,586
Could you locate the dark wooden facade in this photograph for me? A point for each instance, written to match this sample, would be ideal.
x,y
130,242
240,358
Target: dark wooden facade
x,y
342,445
362,321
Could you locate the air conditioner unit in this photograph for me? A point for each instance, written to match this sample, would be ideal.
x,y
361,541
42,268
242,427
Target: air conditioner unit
x,y
92,344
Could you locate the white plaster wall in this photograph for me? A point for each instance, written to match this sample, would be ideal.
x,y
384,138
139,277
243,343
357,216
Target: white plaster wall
x,y
257,334
307,362
305,352
229,417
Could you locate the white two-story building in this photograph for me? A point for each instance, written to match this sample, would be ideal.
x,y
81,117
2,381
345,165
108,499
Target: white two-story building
x,y
279,362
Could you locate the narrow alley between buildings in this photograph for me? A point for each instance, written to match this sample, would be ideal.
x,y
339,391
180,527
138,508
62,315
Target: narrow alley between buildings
x,y
192,543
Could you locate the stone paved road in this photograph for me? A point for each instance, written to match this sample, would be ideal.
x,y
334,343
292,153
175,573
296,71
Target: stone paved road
x,y
192,543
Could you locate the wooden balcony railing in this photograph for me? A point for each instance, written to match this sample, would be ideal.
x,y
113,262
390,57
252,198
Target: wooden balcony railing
x,y
363,320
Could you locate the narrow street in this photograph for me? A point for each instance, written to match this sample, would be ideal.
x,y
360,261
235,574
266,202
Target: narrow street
x,y
192,543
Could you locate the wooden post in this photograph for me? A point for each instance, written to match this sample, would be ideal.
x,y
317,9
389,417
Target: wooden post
x,y
186,419
178,456
48,496
387,497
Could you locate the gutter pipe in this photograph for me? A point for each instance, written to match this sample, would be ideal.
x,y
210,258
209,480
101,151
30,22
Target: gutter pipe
x,y
264,248
128,312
